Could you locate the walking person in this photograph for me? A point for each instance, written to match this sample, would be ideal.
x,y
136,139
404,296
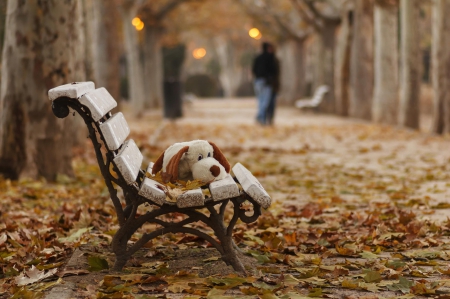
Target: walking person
x,y
275,85
265,74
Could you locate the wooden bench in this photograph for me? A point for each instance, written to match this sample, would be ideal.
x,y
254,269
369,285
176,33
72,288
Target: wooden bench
x,y
120,163
315,100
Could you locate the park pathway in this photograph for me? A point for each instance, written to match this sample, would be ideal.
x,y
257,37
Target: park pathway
x,y
307,156
359,210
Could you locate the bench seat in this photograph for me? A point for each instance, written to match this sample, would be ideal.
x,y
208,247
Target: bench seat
x,y
219,190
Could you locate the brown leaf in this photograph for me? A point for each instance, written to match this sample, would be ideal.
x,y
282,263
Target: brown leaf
x,y
33,275
71,272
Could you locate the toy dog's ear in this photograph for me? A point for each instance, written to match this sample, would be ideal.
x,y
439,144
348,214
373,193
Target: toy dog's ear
x,y
220,157
158,164
172,167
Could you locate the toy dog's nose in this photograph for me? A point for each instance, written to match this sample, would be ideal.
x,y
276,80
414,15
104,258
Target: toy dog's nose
x,y
215,170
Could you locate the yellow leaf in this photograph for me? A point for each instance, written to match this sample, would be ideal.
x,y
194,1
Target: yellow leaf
x,y
349,284
344,251
191,185
157,177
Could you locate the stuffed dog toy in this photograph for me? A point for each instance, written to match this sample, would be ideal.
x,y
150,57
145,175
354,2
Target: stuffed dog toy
x,y
193,160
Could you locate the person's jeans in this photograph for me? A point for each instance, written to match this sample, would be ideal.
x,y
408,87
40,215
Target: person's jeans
x,y
271,108
263,93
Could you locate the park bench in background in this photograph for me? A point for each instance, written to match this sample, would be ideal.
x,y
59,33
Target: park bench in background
x,y
120,163
315,100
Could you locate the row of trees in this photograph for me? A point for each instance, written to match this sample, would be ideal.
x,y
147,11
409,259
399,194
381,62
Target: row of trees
x,y
368,52
350,45
51,42
48,43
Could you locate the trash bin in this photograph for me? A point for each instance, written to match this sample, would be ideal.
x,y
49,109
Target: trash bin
x,y
173,106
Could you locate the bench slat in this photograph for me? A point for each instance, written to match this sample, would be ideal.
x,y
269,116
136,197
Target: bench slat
x,y
129,161
99,102
150,190
251,185
115,130
191,198
223,189
72,90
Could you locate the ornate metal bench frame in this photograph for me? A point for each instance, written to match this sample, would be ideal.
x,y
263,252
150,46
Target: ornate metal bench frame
x,y
82,97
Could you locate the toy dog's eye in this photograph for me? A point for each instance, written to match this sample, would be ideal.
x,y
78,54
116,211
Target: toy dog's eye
x,y
200,156
209,155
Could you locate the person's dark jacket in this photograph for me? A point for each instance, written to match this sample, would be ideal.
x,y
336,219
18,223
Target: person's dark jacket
x,y
265,66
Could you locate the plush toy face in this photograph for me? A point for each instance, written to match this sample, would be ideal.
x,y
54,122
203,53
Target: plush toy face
x,y
198,160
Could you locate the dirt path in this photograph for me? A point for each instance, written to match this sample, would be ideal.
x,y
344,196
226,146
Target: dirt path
x,y
388,158
359,211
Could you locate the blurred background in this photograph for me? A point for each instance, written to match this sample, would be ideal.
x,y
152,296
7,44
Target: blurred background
x,y
385,61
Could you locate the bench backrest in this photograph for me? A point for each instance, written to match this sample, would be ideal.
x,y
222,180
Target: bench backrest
x,y
319,93
129,161
99,102
113,128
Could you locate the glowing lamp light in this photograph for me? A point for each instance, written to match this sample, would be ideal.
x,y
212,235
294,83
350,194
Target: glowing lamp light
x,y
140,26
254,33
199,53
137,23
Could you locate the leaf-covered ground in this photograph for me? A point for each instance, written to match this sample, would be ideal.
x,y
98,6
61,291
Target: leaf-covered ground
x,y
360,211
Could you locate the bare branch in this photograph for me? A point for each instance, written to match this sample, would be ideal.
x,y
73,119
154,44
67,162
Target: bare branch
x,y
282,27
305,15
288,29
147,10
313,9
165,10
320,15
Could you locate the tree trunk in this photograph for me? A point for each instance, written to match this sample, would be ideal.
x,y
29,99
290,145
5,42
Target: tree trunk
x,y
361,61
42,48
136,89
325,64
342,65
292,60
153,66
2,23
90,19
409,110
230,76
385,97
441,66
107,47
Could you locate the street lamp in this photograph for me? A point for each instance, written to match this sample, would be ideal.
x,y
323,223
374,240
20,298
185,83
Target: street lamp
x,y
199,53
137,23
255,33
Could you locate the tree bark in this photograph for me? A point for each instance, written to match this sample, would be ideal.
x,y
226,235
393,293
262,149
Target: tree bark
x,y
441,66
136,89
292,60
361,61
90,19
42,49
107,47
153,66
230,75
325,64
342,65
409,110
385,97
2,23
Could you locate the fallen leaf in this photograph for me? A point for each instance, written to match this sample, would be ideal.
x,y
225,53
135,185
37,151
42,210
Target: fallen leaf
x,y
372,276
33,275
403,285
97,263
